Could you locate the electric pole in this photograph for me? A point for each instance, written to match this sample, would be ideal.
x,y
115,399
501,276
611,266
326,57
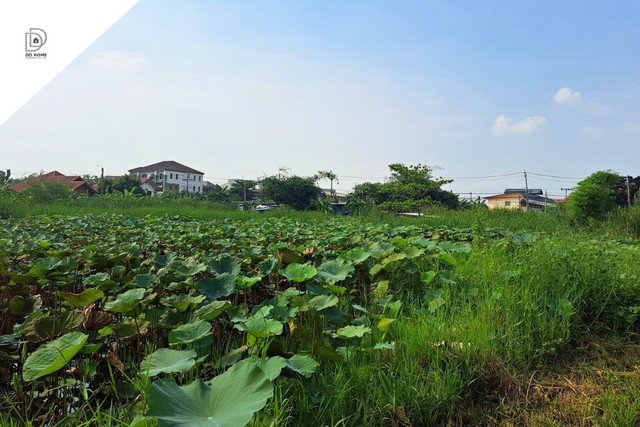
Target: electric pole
x,y
566,194
628,191
526,189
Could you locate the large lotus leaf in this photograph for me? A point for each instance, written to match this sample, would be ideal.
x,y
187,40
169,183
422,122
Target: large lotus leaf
x,y
260,327
228,400
357,255
130,327
222,285
351,331
245,282
271,366
190,268
304,365
299,272
225,264
321,302
213,310
52,356
189,333
96,320
145,280
168,361
182,302
125,302
83,299
334,271
412,251
48,327
455,247
266,267
20,305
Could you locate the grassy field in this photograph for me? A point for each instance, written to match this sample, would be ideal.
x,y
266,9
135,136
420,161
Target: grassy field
x,y
454,318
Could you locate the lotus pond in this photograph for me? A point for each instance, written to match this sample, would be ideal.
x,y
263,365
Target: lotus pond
x,y
122,320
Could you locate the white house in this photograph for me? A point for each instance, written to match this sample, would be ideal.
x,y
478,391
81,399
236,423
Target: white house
x,y
172,176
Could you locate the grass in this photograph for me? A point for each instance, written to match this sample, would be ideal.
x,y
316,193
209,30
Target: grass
x,y
500,342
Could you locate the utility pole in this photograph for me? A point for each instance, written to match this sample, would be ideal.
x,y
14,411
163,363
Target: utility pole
x,y
566,194
628,191
526,189
101,179
545,200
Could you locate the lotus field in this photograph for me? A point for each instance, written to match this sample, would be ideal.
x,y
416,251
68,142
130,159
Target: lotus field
x,y
274,321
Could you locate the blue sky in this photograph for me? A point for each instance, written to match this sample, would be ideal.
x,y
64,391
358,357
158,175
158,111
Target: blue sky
x,y
241,88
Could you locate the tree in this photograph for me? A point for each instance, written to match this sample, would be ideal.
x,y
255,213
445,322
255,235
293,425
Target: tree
x,y
296,192
122,184
593,197
409,189
330,176
49,192
243,190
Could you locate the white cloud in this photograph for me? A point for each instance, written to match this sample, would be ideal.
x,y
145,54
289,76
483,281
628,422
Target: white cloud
x,y
505,126
592,133
566,96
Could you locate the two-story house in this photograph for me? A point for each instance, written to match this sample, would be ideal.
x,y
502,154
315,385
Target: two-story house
x,y
172,176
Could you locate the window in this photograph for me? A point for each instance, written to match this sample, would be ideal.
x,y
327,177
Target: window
x,y
170,176
144,175
177,176
194,188
200,178
507,204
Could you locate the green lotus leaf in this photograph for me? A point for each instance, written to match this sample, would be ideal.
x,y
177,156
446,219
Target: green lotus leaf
x,y
299,272
260,327
213,310
83,299
321,302
412,251
189,333
334,271
190,268
168,361
304,365
228,400
182,302
266,267
245,282
145,280
222,285
351,331
225,264
357,255
54,355
271,366
21,306
125,302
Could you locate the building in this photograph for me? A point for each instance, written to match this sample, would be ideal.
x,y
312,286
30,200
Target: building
x,y
172,176
75,182
517,198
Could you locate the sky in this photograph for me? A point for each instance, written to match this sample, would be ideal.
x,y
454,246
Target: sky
x,y
481,91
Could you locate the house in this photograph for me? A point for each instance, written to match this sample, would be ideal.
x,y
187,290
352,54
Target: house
x,y
517,198
75,182
172,176
149,186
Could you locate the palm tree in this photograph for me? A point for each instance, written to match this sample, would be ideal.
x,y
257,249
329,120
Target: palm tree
x,y
330,176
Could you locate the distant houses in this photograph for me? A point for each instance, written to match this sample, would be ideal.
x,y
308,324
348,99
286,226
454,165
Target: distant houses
x,y
169,176
76,183
519,198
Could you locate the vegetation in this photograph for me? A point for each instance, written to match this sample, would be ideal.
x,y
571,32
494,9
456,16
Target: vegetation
x,y
293,191
409,189
314,319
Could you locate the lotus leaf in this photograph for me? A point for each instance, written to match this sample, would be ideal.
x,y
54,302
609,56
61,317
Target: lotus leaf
x,y
228,400
351,331
299,272
225,264
125,302
304,365
191,332
83,299
334,271
168,361
222,285
52,356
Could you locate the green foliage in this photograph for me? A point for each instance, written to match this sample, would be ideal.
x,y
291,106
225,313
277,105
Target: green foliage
x,y
593,197
410,189
49,192
52,356
125,184
293,191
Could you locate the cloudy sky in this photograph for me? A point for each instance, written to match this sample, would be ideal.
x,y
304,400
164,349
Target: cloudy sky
x,y
482,90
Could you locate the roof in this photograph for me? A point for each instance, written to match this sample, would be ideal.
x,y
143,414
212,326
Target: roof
x,y
151,182
536,191
522,195
167,165
74,182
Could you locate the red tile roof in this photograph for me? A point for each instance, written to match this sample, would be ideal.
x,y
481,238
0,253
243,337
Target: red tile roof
x,y
76,183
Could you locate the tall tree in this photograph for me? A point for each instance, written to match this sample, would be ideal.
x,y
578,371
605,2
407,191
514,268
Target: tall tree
x,y
296,192
331,177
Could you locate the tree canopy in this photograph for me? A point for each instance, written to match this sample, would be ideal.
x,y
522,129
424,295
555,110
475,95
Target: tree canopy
x,y
598,194
409,189
296,192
